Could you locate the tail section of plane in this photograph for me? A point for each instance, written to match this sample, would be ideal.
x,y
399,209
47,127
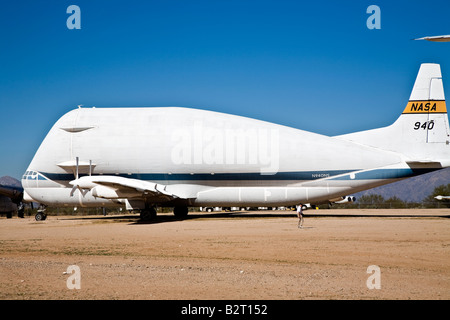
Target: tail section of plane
x,y
421,133
426,108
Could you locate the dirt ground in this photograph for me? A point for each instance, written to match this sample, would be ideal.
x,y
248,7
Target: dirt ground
x,y
217,256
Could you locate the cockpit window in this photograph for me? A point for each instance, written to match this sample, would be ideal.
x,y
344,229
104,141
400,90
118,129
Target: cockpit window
x,y
34,175
31,175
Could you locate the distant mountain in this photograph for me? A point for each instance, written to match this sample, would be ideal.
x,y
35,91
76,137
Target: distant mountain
x,y
10,181
413,189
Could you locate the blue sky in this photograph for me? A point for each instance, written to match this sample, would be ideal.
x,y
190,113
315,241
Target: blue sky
x,y
313,66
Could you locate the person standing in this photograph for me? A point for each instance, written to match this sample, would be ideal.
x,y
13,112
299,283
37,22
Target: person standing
x,y
300,215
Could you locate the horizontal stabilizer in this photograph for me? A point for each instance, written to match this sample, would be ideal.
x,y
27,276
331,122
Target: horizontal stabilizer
x,y
440,163
419,162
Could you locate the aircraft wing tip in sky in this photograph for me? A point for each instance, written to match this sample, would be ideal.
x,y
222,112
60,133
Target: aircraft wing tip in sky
x,y
444,38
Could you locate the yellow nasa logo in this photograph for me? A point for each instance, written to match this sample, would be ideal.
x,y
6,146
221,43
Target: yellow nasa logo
x,y
426,107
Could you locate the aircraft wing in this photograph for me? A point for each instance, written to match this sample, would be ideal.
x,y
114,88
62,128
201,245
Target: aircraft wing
x,y
444,38
115,187
15,193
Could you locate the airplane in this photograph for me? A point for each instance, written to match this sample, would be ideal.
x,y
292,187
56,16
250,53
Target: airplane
x,y
11,200
142,158
442,197
443,38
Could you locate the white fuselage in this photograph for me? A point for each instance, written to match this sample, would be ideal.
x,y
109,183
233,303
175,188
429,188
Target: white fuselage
x,y
206,158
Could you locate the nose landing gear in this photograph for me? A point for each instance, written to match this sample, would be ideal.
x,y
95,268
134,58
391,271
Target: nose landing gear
x,y
41,215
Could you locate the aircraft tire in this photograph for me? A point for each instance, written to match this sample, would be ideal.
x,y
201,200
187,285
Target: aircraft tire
x,y
148,214
180,212
40,216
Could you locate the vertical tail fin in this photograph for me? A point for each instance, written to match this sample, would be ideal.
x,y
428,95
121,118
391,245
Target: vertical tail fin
x,y
422,130
426,108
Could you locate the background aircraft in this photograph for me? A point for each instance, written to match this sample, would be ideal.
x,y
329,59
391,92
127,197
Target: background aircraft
x,y
445,38
11,197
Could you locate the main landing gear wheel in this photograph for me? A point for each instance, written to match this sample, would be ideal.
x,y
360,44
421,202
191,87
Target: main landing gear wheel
x,y
148,214
180,212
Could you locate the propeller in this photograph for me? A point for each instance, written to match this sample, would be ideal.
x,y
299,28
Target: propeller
x,y
75,186
75,182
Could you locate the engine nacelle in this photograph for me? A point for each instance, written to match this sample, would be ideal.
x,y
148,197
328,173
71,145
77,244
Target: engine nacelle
x,y
105,192
350,199
344,199
110,193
